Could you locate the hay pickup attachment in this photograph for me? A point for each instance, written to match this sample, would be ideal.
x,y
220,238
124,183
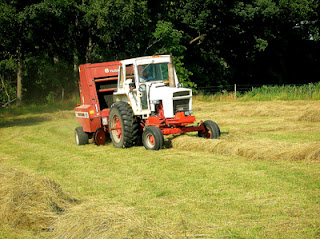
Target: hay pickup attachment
x,y
135,101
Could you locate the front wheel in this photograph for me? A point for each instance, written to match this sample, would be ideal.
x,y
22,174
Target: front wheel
x,y
212,130
152,138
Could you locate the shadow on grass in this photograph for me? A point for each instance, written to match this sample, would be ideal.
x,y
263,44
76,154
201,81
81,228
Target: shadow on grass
x,y
35,117
168,140
34,114
27,121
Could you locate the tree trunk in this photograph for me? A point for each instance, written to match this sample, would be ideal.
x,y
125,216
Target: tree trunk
x,y
76,74
6,91
89,50
19,83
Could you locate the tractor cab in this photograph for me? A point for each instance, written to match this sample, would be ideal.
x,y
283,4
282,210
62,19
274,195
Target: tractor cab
x,y
145,82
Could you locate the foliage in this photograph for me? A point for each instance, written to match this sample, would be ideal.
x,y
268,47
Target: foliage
x,y
168,41
213,42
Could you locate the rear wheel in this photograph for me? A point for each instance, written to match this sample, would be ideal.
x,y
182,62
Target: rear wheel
x,y
81,137
152,138
137,132
212,130
122,125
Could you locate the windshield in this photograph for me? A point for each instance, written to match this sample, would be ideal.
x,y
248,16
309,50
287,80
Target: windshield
x,y
153,72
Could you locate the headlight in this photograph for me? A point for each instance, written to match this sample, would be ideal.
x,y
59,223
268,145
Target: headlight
x,y
189,112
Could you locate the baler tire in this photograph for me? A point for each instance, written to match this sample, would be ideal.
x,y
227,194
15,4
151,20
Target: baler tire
x,y
213,130
152,138
81,137
122,114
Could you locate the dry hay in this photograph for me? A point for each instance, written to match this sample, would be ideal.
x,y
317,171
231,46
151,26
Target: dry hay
x,y
251,149
284,109
311,112
99,219
29,201
34,203
310,116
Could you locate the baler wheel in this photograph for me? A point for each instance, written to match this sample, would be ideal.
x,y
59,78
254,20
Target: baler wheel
x,y
99,137
152,138
81,137
122,125
212,130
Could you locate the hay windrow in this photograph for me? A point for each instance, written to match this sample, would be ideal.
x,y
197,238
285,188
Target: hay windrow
x,y
99,219
251,149
29,201
277,109
36,203
310,116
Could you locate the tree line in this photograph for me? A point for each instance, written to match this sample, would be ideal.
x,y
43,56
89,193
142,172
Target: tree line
x,y
214,42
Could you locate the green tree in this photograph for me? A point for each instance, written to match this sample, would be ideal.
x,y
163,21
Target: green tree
x,y
167,40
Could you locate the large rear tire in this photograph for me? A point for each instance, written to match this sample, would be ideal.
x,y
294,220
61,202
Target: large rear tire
x,y
137,132
81,137
122,125
152,138
212,130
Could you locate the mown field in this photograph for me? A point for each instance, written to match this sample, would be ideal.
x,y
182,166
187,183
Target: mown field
x,y
261,179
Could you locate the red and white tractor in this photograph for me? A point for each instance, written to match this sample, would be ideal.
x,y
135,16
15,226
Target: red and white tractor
x,y
135,101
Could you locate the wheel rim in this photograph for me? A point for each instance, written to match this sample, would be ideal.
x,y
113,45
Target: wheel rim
x,y
116,129
100,137
207,134
150,140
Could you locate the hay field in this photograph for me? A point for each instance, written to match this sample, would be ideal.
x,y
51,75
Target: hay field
x,y
261,130
260,180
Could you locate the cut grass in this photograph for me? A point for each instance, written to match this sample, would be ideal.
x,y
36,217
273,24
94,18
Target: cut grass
x,y
178,192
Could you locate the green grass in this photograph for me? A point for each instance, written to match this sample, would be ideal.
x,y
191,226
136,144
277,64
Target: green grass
x,y
268,93
285,92
186,193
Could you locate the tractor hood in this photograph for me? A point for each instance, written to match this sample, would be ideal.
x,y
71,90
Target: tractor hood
x,y
161,91
173,99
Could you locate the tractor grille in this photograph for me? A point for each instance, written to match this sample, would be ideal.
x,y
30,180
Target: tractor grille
x,y
181,93
180,105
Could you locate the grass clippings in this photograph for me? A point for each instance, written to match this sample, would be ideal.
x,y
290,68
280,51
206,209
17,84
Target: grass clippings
x,y
32,202
196,189
250,149
29,201
310,116
100,219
